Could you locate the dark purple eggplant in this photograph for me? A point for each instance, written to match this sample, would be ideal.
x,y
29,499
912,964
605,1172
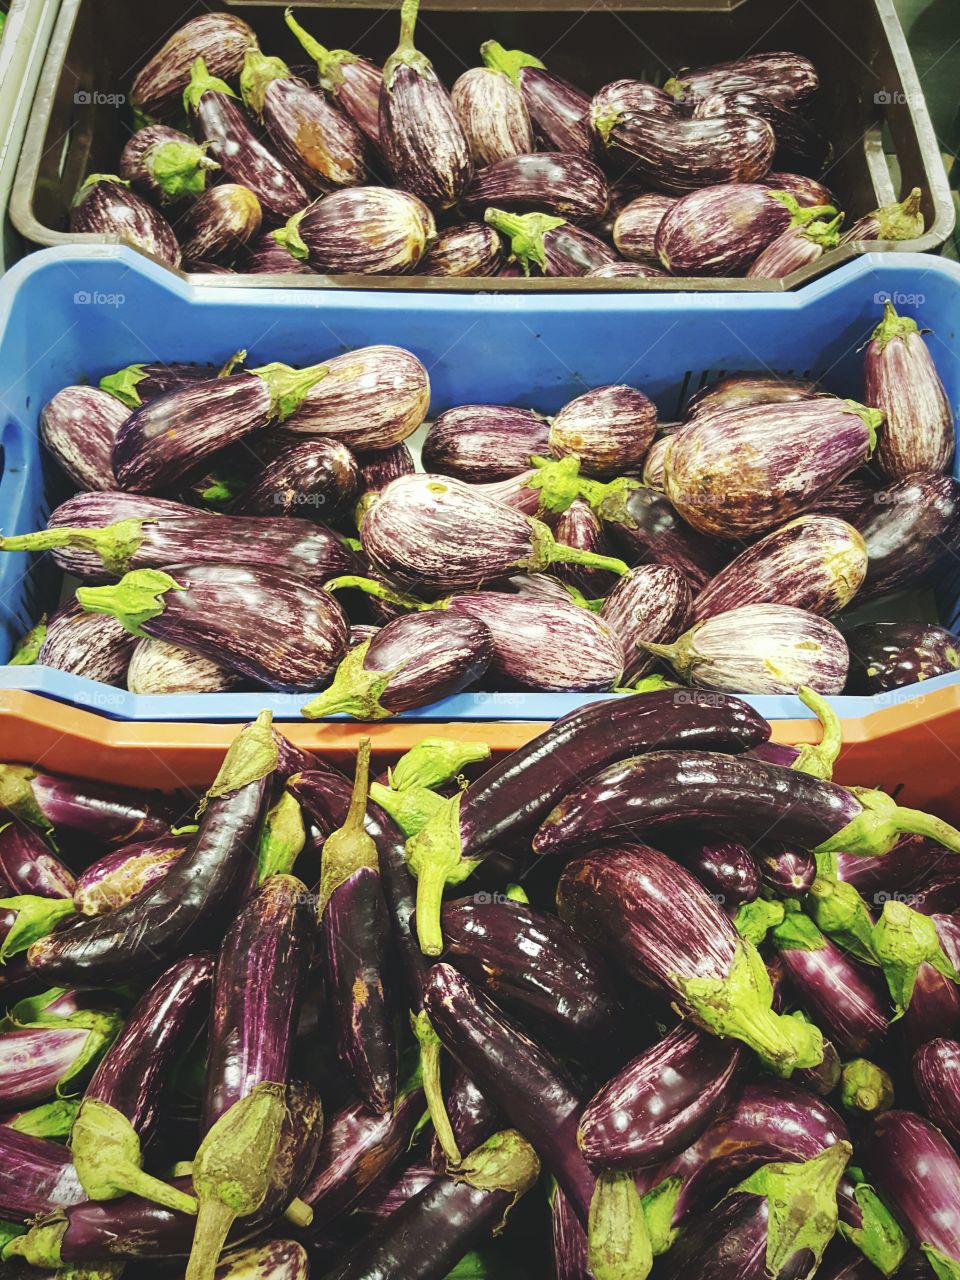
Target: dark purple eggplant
x,y
471,1117
635,229
936,1076
267,257
609,429
467,249
120,1108
914,524
492,114
159,667
135,384
392,1191
307,131
221,39
100,812
800,142
219,225
313,478
36,1176
740,391
482,442
912,859
891,655
105,206
53,1056
554,182
554,246
221,121
899,221
270,625
96,648
786,872
379,466
788,78
901,380
579,527
662,1101
559,111
352,82
795,248
726,869
815,562
420,135
79,427
27,865
163,164
125,873
652,603
164,922
614,270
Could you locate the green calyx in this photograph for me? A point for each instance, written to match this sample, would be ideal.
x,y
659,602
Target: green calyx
x,y
902,221
654,684
797,932
282,839
740,1005
101,1031
354,691
435,858
33,1009
201,82
40,1247
28,647
179,168
411,810
880,1238
9,1230
872,419
558,480
517,893
123,385
510,61
115,544
433,762
429,1078
134,600
257,73
329,61
802,215
659,1206
370,587
349,849
545,551
605,124
289,238
877,828
838,909
50,1120
288,387
406,53
865,1087
825,234
17,798
91,181
754,920
36,917
505,1162
943,1267
819,759
676,88
893,326
252,755
618,1241
525,232
904,941
801,1204
108,1160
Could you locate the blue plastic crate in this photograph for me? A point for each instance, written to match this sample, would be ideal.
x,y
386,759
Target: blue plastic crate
x,y
71,315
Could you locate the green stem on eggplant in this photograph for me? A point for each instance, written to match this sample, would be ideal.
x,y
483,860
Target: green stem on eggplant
x,y
430,1056
818,759
841,913
35,918
108,1159
525,232
257,73
510,61
865,1087
433,762
349,848
370,587
875,830
434,857
903,941
134,600
28,647
282,839
354,690
328,61
618,1241
411,810
115,543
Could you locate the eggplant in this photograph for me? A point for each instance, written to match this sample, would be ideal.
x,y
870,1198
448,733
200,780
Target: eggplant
x,y
720,229
788,78
222,39
636,225
371,398
770,462
936,1076
314,478
652,475
219,225
471,1117
553,245
159,667
614,270
786,872
79,427
269,625
162,923
379,466
388,1195
54,1056
220,120
123,874
628,97
807,191
609,429
267,257
559,111
670,935
436,533
36,1176
579,527
545,645
105,206
468,249
135,384
865,1087
795,248
96,648
120,1108
421,139
352,81
492,115
484,442
912,859
902,220
413,661
163,164
662,1101
98,811
800,142
554,182
850,499
308,132
891,655
914,524
27,866
742,390
726,869
652,603
901,379
275,1260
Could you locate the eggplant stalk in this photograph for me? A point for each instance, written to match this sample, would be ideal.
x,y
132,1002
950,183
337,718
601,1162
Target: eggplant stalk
x,y
349,848
434,762
108,1159
430,1051
434,858
903,941
618,1241
282,839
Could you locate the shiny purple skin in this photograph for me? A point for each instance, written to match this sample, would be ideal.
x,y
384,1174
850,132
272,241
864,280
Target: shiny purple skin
x,y
726,869
914,524
33,1060
636,226
609,429
28,867
936,1076
379,466
934,1008
651,602
219,225
621,97
483,442
847,1000
806,191
156,378
787,78
850,499
677,155
719,230
134,167
545,646
221,39
938,894
559,111
579,527
472,1118
789,252
617,270
514,492
912,859
258,987
86,644
742,390
79,426
107,207
468,249
312,478
891,655
355,84
568,1240
391,1193
918,1173
649,531
556,182
524,1082
800,143
730,1243
132,1074
36,1176
266,257
574,251
366,231
312,136
421,139
786,872
492,114
433,655
98,811
123,874
662,1101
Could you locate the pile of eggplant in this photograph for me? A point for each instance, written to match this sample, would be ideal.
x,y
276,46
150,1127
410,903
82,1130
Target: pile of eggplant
x,y
266,528
240,163
651,995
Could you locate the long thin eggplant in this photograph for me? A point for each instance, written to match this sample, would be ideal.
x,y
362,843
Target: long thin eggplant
x,y
221,39
98,811
471,1117
361,230
351,81
890,655
104,205
96,648
27,865
46,1058
559,111
492,114
484,442
125,873
553,182
912,526
551,244
219,225
164,164
788,78
936,1076
79,426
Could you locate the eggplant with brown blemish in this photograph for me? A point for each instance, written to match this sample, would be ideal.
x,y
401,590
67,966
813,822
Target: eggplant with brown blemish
x,y
98,811
104,205
912,526
482,442
651,602
795,248
740,391
492,114
891,655
468,249
555,182
165,165
123,874
618,270
221,39
420,135
609,429
95,648
636,226
219,225
553,245
267,257
313,478
559,111
360,230
898,221
579,527
156,666
788,78
351,81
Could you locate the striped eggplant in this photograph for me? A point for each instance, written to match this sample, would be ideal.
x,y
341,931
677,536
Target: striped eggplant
x,y
36,1176
539,644
104,205
800,142
23,919
609,429
558,110
135,384
413,661
651,602
27,865
467,249
379,466
650,916
555,182
741,390
100,812
788,78
233,142
769,462
314,478
481,442
936,1076
471,1117
579,527
275,1260
308,132
627,97
912,526
219,225
123,874
79,427
267,257
637,223
568,1240
95,648
815,563
420,136
57,1055
891,655
899,221
553,245
795,248
786,872
807,191
618,270
221,39
361,230
164,165
721,229
156,666
270,625
492,114
850,499
389,1194
351,81
901,380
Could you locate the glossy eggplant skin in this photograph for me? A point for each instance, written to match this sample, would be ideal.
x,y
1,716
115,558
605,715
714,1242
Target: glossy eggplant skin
x,y
615,270
608,428
312,136
36,1176
98,811
579,527
104,205
79,427
678,155
662,1101
158,667
739,391
472,1118
558,110
913,524
266,257
720,229
568,1240
219,225
726,869
125,873
468,249
912,860
573,251
936,1076
388,1195
788,78
644,523
526,1085
891,655
361,230
636,226
558,182
492,114
484,442
651,602
312,478
379,466
221,39
786,872
28,867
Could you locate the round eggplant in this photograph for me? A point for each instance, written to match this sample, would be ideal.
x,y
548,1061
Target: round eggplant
x,y
788,78
104,205
579,527
652,475
483,442
221,39
163,164
362,230
609,429
79,426
468,249
650,603
636,226
912,526
557,182
219,225
492,114
720,230
891,655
